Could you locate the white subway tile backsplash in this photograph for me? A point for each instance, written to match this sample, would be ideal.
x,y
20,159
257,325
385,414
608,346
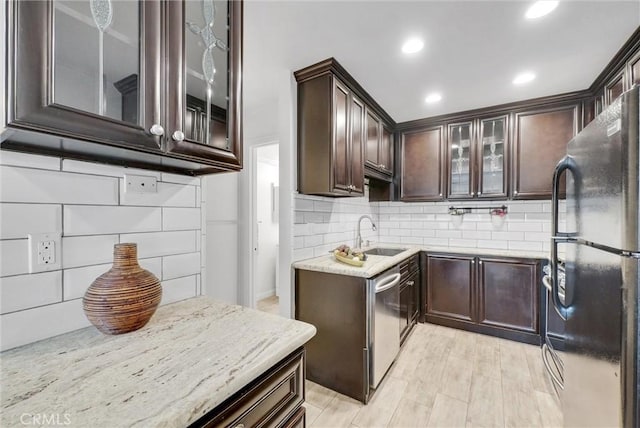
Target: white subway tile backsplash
x,y
180,179
29,161
312,240
76,281
87,204
19,220
71,165
537,236
28,291
525,227
22,327
178,289
413,240
180,265
298,242
181,218
155,244
469,234
88,250
102,220
301,254
449,234
14,257
466,243
514,207
54,187
508,236
495,244
303,204
525,246
167,195
436,242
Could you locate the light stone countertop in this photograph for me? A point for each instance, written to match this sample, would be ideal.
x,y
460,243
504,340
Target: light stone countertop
x,y
188,359
377,264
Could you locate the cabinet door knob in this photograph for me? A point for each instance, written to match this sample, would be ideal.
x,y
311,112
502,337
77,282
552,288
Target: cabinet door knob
x,y
157,130
479,193
178,136
473,193
440,194
480,262
515,192
410,283
473,262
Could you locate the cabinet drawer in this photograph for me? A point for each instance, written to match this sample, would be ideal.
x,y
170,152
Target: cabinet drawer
x,y
270,402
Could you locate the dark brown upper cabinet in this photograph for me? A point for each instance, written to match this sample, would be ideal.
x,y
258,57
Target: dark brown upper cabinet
x,y
379,147
614,88
477,159
111,84
540,141
421,165
330,138
343,135
633,70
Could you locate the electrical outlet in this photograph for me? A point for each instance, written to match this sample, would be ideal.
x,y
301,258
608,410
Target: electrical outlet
x,y
140,184
44,252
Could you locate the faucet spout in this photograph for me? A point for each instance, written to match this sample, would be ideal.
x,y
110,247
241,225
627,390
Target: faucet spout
x,y
358,243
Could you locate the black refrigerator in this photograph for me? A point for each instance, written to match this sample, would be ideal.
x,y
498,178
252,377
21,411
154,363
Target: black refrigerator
x,y
600,245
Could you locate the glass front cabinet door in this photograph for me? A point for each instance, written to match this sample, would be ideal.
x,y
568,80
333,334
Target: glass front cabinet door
x,y
204,38
461,166
491,159
477,159
87,69
150,83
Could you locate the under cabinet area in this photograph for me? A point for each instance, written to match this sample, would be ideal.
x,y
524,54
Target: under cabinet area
x,y
116,83
491,295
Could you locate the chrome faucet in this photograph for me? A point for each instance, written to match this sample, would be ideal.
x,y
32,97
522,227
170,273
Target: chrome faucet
x,y
358,243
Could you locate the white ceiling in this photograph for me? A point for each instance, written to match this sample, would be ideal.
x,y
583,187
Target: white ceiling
x,y
473,49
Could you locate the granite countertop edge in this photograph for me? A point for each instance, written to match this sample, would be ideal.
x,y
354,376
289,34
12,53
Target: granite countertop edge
x,y
191,357
377,264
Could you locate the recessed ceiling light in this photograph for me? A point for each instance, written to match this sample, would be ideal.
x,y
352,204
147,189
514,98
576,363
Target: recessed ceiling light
x,y
433,98
540,8
523,78
412,45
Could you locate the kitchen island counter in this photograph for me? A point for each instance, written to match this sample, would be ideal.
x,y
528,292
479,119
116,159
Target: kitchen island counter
x,y
186,361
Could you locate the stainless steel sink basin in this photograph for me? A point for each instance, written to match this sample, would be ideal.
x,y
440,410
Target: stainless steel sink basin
x,y
384,251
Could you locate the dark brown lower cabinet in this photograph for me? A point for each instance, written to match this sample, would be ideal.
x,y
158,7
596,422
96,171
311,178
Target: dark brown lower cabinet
x,y
508,294
490,295
450,290
273,399
409,290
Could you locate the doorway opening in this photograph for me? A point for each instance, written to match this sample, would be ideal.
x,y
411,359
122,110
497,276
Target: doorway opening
x,y
265,227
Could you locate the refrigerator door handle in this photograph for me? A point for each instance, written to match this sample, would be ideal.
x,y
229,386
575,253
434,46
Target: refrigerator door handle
x,y
567,163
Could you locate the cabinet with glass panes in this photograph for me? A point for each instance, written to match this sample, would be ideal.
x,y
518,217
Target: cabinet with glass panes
x,y
477,159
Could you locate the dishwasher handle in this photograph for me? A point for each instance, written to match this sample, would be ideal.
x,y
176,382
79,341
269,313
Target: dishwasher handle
x,y
388,282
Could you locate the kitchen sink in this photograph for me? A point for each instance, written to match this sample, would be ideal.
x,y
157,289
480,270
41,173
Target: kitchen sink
x,y
384,251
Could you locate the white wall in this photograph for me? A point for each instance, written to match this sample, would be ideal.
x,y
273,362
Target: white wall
x,y
267,226
220,242
87,204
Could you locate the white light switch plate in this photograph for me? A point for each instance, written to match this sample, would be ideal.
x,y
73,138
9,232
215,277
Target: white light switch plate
x,y
45,252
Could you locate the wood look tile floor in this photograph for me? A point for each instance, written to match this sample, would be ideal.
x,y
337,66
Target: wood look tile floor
x,y
269,304
448,378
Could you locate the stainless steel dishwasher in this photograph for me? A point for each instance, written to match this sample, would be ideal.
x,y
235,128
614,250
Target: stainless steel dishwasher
x,y
383,323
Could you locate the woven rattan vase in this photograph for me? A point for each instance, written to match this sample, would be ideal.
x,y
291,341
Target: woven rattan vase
x,y
124,298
